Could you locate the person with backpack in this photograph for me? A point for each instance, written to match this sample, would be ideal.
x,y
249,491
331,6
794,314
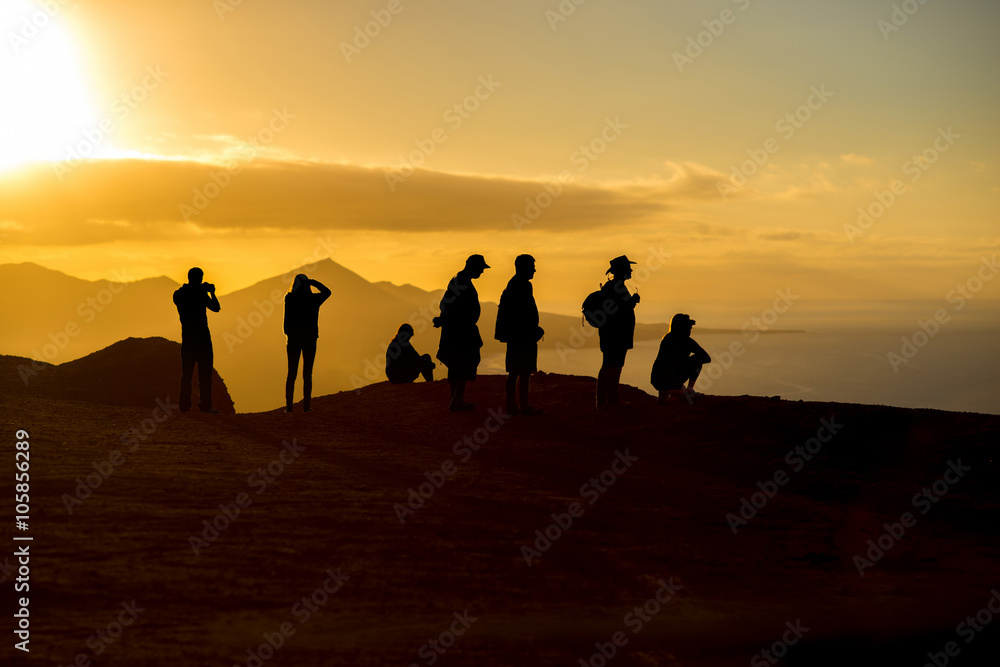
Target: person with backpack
x,y
679,360
517,325
612,310
460,339
301,325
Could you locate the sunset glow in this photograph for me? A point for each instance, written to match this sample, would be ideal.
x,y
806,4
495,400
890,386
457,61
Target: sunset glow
x,y
759,144
47,104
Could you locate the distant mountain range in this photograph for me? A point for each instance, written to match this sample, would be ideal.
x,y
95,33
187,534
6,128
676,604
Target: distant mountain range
x,y
55,318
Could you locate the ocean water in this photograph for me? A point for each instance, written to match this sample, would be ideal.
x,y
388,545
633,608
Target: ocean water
x,y
839,357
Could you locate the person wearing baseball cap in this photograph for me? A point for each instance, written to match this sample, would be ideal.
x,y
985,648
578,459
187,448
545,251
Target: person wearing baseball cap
x,y
618,330
679,360
460,339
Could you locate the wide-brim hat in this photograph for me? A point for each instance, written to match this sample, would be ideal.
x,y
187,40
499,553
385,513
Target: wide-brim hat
x,y
621,262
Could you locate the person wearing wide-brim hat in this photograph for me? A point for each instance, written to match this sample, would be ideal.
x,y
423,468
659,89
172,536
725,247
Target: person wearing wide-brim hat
x,y
617,332
460,339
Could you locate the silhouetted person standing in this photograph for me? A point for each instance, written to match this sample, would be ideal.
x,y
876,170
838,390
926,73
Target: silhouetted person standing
x,y
517,325
618,330
460,339
679,360
403,364
193,299
301,326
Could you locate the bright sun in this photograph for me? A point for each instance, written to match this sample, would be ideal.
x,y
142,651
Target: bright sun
x,y
45,107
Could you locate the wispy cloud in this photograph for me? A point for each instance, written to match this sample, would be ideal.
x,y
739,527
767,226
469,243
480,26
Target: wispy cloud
x,y
854,158
140,195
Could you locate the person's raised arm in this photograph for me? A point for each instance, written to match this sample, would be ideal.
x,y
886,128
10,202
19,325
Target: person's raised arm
x,y
324,291
213,301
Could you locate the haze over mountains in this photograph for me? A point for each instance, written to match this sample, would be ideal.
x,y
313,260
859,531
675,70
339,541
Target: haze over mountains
x,y
60,318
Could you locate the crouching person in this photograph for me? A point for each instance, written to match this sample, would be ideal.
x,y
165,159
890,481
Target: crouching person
x,y
679,361
403,364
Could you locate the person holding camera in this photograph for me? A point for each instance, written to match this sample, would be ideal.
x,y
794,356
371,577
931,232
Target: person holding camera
x,y
193,299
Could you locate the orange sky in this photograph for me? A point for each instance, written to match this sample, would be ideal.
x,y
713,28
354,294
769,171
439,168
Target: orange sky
x,y
251,138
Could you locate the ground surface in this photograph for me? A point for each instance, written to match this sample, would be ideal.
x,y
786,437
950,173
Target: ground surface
x,y
332,507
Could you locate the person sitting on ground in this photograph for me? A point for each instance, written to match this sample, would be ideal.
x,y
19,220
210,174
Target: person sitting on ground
x,y
679,360
403,364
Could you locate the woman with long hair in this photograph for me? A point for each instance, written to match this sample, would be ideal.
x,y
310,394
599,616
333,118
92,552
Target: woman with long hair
x,y
301,326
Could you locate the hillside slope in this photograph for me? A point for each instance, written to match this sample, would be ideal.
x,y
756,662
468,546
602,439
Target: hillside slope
x,y
134,372
660,514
